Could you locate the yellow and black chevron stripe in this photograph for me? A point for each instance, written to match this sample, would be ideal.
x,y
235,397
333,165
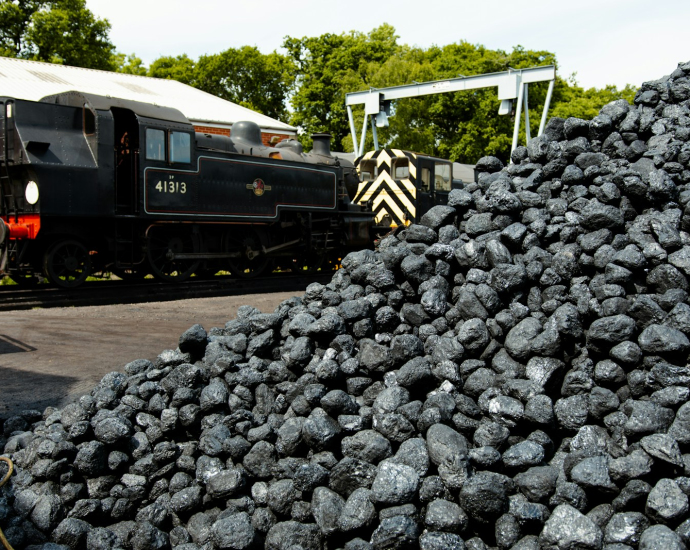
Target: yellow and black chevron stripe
x,y
396,198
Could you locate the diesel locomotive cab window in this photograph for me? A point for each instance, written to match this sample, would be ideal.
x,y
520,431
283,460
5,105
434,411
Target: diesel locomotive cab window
x,y
367,170
426,180
401,168
155,144
442,176
180,147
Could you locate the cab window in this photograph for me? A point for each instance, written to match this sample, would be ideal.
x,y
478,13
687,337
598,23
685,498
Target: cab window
x,y
180,147
426,180
442,176
89,121
401,169
155,144
367,170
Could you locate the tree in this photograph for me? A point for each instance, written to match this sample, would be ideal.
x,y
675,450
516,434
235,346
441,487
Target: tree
x,y
15,17
179,68
128,64
467,124
69,34
245,76
260,82
57,31
326,66
462,126
574,101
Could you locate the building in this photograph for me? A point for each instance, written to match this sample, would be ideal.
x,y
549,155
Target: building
x,y
209,114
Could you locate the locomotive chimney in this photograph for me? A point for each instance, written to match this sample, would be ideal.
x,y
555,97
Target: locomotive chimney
x,y
322,144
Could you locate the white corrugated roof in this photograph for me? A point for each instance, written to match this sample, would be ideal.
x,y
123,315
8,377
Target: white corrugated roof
x,y
33,80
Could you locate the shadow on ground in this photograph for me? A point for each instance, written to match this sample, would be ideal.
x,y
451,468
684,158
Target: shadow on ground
x,y
12,345
46,390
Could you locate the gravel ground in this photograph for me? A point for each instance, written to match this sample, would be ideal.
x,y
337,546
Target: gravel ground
x,y
49,357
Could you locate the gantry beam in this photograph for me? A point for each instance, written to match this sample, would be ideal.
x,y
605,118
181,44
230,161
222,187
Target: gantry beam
x,y
511,85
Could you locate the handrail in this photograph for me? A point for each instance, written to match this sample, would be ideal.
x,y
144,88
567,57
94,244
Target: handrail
x,y
4,209
5,162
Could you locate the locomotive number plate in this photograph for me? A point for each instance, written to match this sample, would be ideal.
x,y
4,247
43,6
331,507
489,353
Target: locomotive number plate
x,y
171,187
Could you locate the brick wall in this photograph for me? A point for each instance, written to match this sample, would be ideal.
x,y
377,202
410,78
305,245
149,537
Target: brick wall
x,y
213,131
266,137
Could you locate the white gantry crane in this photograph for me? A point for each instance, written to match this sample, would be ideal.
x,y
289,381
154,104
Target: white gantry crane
x,y
512,84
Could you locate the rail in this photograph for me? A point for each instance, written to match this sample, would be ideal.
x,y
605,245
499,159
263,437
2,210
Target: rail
x,y
98,293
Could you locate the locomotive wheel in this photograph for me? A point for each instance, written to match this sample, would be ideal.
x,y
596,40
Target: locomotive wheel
x,y
162,244
67,264
247,264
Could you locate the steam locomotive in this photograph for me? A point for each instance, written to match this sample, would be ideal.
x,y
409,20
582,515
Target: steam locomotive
x,y
93,184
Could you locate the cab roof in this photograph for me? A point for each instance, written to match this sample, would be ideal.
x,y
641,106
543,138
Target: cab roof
x,y
104,103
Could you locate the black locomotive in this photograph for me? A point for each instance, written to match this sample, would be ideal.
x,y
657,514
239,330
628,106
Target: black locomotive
x,y
99,184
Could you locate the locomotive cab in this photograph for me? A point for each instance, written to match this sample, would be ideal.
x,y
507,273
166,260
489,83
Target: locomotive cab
x,y
402,186
49,171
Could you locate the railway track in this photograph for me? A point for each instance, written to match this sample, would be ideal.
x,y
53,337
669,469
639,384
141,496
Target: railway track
x,y
118,292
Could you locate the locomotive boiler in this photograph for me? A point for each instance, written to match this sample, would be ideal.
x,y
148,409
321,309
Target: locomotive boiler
x,y
93,184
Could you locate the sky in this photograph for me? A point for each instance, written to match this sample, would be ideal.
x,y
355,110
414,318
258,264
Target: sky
x,y
603,41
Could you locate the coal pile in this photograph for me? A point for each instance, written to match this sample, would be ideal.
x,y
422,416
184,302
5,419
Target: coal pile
x,y
512,372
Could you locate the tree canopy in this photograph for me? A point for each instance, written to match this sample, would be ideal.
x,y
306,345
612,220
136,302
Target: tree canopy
x,y
58,31
307,84
330,65
462,126
246,76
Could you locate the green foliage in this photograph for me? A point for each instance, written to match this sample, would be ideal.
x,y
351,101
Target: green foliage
x,y
15,18
462,126
327,67
315,75
574,101
58,31
128,64
467,125
179,68
260,82
245,76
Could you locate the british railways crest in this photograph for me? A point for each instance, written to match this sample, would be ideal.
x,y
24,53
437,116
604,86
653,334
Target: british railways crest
x,y
258,187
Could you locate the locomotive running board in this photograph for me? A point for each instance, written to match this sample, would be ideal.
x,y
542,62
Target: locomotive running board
x,y
203,255
221,255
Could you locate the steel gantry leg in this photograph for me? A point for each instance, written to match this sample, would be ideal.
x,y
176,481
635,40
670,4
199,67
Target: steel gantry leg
x,y
374,133
528,133
364,134
353,130
549,92
518,114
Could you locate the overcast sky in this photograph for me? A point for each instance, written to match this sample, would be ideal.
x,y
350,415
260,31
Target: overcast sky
x,y
603,41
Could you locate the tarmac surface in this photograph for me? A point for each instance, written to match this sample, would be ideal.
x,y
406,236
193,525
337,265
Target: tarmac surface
x,y
50,357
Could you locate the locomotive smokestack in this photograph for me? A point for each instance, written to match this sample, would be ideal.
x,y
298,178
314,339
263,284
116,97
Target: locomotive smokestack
x,y
322,144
